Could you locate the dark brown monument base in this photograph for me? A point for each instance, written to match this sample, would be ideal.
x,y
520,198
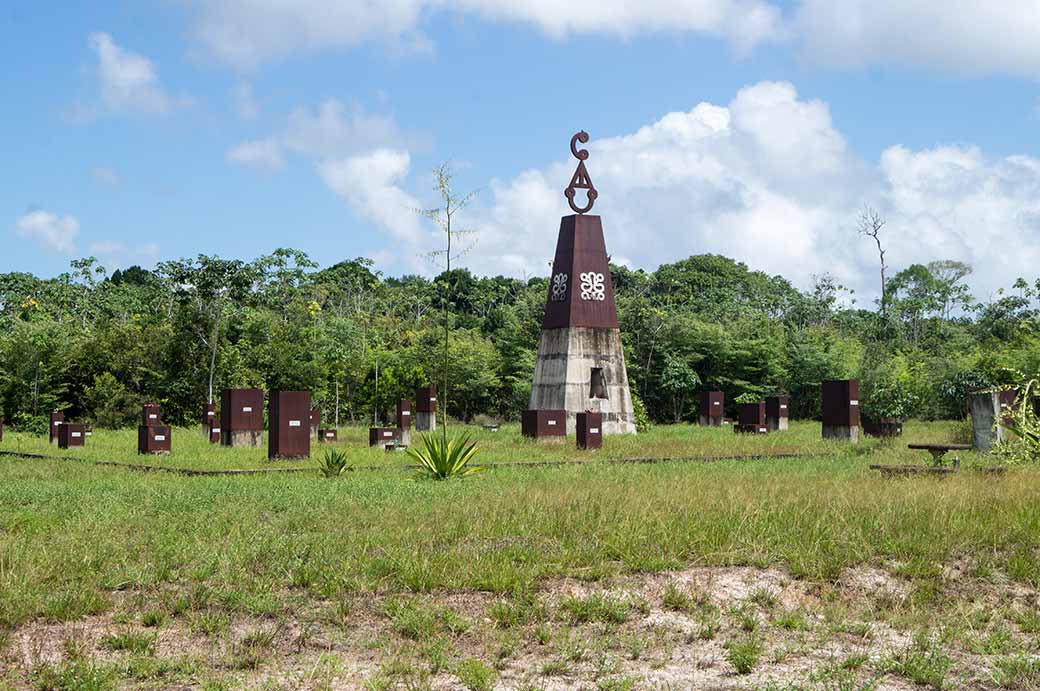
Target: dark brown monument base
x,y
328,435
841,433
589,431
214,435
750,429
885,427
71,436
379,436
247,438
544,424
710,421
153,440
776,424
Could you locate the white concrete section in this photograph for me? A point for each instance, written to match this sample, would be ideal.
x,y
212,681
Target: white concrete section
x,y
563,377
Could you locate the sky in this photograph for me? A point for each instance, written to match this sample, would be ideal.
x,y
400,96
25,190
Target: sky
x,y
138,131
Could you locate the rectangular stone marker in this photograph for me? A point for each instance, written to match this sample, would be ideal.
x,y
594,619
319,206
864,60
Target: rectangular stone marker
x,y
589,431
544,424
154,439
426,409
57,419
288,421
71,435
777,413
839,403
380,436
328,436
241,417
712,408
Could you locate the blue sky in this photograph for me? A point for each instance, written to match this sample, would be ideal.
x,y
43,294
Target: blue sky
x,y
142,131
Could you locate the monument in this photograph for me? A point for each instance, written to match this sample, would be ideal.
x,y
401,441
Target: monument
x,y
581,366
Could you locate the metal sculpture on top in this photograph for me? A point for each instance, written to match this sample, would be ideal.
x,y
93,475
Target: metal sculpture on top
x,y
581,179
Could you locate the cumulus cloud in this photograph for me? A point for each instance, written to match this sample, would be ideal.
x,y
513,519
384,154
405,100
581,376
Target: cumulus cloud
x,y
129,82
245,103
766,179
106,176
949,35
261,153
370,183
965,36
331,130
50,231
248,32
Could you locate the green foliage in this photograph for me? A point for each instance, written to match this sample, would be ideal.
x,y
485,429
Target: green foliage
x,y
96,345
747,398
333,462
112,404
744,653
1025,425
643,423
475,675
887,388
445,457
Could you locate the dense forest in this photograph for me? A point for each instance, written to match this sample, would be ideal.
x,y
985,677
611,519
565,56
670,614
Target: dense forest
x,y
97,345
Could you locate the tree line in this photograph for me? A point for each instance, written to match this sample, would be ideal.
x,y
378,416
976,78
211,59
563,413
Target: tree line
x,y
97,344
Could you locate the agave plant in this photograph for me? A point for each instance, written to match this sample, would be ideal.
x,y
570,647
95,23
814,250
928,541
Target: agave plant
x,y
446,457
333,462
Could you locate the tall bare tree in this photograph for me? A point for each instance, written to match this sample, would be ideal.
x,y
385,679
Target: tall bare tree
x,y
870,224
444,217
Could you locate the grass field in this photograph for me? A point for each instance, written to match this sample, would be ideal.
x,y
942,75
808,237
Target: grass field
x,y
788,573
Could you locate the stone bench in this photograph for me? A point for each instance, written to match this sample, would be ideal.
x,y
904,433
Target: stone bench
x,y
938,451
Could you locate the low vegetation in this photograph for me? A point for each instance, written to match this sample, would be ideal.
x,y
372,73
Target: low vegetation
x,y
799,572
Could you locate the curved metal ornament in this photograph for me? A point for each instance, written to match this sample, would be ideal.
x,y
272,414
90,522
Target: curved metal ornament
x,y
580,179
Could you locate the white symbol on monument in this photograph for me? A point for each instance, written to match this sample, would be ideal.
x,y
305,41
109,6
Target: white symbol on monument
x,y
592,286
559,287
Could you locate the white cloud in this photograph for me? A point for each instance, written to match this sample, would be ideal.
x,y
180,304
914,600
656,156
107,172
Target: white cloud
x,y
245,103
950,35
331,130
129,82
106,175
766,179
248,32
262,153
964,36
370,183
50,231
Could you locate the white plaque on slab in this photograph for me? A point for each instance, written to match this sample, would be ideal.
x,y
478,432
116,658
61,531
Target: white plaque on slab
x,y
551,423
853,402
76,434
594,430
160,437
247,409
294,423
152,416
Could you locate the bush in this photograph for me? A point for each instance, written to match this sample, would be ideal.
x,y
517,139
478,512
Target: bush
x,y
887,389
112,404
643,423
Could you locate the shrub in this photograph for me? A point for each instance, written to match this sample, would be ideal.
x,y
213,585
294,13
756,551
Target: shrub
x,y
333,463
446,457
1025,424
643,423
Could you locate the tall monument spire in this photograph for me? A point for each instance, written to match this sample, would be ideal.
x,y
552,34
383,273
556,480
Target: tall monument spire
x,y
581,366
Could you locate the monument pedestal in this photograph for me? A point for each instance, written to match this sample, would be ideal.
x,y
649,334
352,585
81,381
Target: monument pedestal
x,y
582,369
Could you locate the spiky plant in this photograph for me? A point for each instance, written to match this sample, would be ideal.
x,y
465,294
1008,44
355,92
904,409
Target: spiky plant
x,y
446,457
333,463
1025,424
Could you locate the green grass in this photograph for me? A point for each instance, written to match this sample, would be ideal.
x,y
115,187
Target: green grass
x,y
190,449
73,535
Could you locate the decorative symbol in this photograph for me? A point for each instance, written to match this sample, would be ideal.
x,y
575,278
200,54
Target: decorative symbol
x,y
592,286
581,179
559,287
